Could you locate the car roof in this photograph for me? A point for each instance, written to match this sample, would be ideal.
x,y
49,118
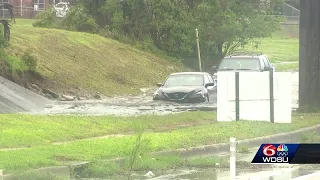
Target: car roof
x,y
189,73
243,56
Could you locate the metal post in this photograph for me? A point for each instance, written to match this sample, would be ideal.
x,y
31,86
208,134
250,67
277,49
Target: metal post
x,y
198,47
271,96
1,174
237,96
232,158
21,7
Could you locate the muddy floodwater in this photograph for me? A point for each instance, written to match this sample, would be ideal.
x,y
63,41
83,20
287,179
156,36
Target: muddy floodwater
x,y
138,105
104,108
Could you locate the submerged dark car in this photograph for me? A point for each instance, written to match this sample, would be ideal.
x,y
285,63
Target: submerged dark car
x,y
187,87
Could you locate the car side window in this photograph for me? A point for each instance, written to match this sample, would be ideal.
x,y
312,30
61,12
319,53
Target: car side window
x,y
262,65
206,79
210,78
267,61
264,61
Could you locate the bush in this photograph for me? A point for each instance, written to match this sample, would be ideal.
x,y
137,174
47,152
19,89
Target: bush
x,y
3,41
47,19
16,65
19,65
78,19
30,61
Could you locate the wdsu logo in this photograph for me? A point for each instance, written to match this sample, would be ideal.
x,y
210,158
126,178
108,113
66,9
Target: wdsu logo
x,y
273,154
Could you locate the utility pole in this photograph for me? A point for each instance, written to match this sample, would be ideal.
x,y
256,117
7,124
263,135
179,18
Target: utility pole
x,y
198,47
21,7
309,58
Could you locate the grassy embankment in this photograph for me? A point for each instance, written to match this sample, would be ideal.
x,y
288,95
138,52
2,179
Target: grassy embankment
x,y
283,46
86,63
82,62
162,133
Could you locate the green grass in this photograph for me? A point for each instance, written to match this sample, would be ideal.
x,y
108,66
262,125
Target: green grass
x,y
73,60
31,130
281,47
100,149
244,149
311,137
15,64
287,67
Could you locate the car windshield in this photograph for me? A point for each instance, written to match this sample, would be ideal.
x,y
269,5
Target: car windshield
x,y
184,80
239,63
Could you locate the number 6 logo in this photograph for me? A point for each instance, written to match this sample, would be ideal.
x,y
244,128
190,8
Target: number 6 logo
x,y
269,150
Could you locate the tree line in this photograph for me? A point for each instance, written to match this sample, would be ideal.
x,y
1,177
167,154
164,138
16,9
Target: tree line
x,y
169,25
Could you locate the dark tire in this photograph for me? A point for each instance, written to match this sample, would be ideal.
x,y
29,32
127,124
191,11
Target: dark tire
x,y
207,98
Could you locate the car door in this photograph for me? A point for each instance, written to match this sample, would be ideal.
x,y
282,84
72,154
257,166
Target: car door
x,y
211,89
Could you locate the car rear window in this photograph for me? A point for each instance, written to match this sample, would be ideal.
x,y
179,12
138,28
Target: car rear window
x,y
184,80
240,63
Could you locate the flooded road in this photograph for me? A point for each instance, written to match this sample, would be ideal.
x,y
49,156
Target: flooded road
x,y
100,108
139,105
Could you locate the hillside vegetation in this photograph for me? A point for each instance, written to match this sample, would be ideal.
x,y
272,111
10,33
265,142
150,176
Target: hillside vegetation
x,y
83,62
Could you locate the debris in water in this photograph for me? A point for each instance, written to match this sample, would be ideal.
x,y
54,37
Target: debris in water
x,y
149,174
49,106
68,98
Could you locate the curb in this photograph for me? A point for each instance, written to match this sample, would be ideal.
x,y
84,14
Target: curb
x,y
290,137
312,176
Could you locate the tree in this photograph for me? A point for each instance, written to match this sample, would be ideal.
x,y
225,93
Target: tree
x,y
309,60
237,23
224,25
227,25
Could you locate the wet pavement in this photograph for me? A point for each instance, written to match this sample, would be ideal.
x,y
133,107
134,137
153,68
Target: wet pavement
x,y
14,98
223,174
244,171
139,105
